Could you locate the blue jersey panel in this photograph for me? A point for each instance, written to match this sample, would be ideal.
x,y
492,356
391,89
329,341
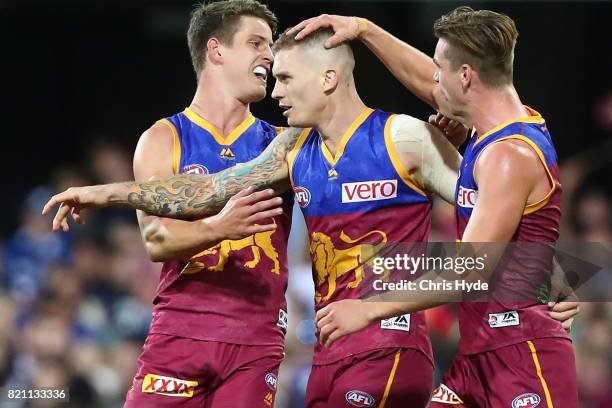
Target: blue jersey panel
x,y
533,132
202,150
360,179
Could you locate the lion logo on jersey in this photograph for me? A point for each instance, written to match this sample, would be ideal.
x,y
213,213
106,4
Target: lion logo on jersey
x,y
257,243
331,263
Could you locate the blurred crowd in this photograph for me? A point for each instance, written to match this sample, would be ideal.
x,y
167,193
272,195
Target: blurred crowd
x,y
75,307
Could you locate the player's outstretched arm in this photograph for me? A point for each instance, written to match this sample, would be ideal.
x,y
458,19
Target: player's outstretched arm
x,y
168,239
507,174
183,196
414,69
497,178
341,318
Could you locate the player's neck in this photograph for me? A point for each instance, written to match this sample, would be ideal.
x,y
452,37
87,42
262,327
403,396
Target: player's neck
x,y
223,111
496,107
340,113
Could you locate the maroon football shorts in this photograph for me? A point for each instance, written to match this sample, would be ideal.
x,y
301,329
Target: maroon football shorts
x,y
537,373
385,378
181,372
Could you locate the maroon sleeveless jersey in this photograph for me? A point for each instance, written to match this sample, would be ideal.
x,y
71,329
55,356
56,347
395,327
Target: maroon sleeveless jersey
x,y
362,196
516,313
233,292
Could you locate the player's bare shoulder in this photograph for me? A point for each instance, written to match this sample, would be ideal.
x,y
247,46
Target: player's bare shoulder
x,y
512,157
421,143
160,133
514,153
413,135
407,129
154,152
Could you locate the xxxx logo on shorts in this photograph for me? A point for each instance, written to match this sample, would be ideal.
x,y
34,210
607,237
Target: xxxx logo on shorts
x,y
445,395
173,387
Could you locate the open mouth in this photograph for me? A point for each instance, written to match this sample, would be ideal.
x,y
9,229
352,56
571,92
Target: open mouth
x,y
261,73
285,109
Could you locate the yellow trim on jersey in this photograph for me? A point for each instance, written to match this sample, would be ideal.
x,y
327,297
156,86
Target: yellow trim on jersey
x,y
210,128
383,401
534,117
294,152
397,164
176,146
531,208
279,129
345,138
534,355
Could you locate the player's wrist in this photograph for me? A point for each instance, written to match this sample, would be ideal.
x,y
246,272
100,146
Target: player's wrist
x,y
374,311
212,228
362,26
116,193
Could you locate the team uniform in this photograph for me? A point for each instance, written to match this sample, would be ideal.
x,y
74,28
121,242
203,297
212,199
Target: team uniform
x,y
352,200
217,334
512,353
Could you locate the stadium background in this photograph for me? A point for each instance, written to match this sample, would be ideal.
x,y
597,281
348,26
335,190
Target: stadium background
x,y
81,80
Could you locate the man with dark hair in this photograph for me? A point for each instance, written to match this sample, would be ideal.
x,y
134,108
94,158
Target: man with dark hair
x,y
217,334
222,20
485,41
509,175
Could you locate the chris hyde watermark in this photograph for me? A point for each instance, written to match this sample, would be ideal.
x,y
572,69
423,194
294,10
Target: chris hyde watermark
x,y
427,285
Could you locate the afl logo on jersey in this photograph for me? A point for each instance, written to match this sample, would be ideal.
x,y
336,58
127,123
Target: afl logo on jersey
x,y
302,196
195,169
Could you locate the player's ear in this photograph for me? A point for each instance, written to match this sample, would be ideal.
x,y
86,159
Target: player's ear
x,y
213,51
467,74
330,80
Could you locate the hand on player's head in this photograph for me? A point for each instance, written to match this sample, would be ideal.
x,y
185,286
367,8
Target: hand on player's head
x,y
345,28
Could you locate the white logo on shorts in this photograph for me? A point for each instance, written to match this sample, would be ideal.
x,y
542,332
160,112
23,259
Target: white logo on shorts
x,y
528,400
271,381
396,323
445,395
282,319
504,319
359,398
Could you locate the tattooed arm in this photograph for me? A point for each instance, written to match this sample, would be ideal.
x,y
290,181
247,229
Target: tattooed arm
x,y
183,196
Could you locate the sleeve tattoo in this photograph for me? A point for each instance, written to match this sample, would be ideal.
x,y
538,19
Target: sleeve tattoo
x,y
195,195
